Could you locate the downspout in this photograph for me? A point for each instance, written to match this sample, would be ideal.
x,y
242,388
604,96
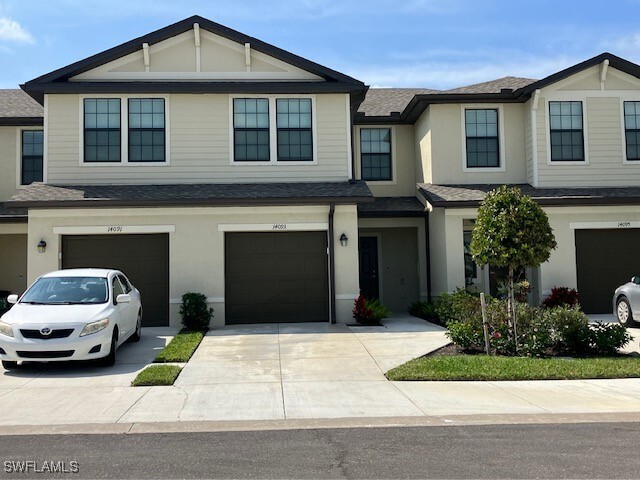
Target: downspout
x,y
427,243
332,267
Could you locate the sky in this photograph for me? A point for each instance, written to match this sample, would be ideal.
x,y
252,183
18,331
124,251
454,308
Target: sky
x,y
385,43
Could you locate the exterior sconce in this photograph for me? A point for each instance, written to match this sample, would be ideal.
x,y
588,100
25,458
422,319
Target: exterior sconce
x,y
344,240
42,246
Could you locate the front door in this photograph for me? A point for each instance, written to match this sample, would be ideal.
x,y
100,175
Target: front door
x,y
369,283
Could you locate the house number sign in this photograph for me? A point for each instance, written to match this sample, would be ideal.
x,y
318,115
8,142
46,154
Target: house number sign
x,y
279,226
115,229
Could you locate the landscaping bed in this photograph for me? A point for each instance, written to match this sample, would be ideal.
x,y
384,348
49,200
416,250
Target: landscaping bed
x,y
155,375
181,348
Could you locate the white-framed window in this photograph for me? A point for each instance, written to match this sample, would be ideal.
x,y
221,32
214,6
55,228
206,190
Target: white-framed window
x,y
125,130
483,138
31,156
273,130
631,112
566,131
376,161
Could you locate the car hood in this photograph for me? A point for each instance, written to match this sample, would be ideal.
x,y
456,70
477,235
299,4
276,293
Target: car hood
x,y
25,314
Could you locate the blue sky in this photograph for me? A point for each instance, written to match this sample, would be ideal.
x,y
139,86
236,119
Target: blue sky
x,y
400,43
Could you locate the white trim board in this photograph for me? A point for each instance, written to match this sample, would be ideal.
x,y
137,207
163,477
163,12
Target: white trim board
x,y
113,229
622,224
272,227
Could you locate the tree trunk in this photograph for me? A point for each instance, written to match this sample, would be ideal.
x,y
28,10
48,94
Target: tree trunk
x,y
511,306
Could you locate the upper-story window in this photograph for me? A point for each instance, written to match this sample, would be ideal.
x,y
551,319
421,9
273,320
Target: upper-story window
x,y
32,148
295,137
102,130
375,153
632,129
251,130
482,141
146,130
567,134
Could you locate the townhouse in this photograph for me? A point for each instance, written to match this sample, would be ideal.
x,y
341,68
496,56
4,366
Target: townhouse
x,y
197,158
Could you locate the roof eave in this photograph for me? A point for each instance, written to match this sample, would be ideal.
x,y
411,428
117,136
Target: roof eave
x,y
21,121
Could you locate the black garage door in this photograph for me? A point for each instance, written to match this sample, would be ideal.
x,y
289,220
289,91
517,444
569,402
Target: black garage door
x,y
276,277
143,258
605,259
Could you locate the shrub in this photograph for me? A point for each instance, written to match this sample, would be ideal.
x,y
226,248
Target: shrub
x,y
195,312
460,305
424,310
606,339
369,312
561,296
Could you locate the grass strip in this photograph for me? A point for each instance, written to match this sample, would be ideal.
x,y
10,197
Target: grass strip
x,y
482,367
181,347
155,375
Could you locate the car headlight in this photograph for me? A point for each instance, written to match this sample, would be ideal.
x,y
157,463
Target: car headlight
x,y
94,327
6,329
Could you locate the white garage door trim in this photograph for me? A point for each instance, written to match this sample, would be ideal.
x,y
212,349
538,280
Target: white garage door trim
x,y
113,229
622,224
272,227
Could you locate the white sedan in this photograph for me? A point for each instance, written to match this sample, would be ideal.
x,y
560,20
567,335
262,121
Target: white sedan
x,y
79,314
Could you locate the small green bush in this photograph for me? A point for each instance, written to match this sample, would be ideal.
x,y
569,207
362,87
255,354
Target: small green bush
x,y
458,306
195,311
606,339
424,310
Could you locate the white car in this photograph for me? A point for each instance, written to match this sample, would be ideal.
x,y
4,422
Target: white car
x,y
79,314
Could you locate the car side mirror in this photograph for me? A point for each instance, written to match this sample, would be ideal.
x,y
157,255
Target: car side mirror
x,y
123,298
12,299
635,279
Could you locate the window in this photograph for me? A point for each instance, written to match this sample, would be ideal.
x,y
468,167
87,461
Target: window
x,y
146,130
481,131
375,153
32,147
251,130
125,284
294,129
117,289
632,129
102,130
567,138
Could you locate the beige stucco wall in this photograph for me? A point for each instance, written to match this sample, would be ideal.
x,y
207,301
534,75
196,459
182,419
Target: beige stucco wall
x,y
422,145
13,257
402,255
199,146
403,183
8,161
196,248
605,163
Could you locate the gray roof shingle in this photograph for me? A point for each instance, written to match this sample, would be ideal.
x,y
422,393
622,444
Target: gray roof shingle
x,y
42,195
12,214
472,195
493,86
380,102
392,207
14,103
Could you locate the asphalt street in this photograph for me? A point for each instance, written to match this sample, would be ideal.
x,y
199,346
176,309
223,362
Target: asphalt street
x,y
602,450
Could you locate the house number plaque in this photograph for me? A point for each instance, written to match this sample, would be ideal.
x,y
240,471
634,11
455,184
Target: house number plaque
x,y
279,226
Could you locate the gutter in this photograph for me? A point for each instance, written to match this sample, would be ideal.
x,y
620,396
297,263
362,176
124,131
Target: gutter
x,y
332,267
428,252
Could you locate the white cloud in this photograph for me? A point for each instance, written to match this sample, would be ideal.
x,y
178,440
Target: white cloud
x,y
627,46
12,31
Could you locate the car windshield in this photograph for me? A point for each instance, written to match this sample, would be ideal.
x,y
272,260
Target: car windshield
x,y
67,291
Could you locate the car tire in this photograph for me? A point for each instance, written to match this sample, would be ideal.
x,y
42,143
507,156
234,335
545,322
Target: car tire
x,y
138,333
9,364
110,359
623,312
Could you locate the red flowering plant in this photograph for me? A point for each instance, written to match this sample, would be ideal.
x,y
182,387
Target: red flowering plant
x,y
369,312
561,297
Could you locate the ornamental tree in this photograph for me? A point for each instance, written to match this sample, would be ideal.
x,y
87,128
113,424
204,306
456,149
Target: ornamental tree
x,y
511,231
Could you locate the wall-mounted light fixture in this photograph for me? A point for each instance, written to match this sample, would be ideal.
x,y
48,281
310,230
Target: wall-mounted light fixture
x,y
344,240
42,246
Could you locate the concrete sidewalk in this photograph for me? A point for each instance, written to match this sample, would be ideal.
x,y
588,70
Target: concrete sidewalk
x,y
293,372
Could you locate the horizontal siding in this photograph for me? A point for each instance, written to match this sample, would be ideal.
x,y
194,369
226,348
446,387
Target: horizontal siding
x,y
528,145
8,147
606,168
199,146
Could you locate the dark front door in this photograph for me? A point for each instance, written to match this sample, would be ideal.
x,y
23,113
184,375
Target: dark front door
x,y
276,277
144,259
369,283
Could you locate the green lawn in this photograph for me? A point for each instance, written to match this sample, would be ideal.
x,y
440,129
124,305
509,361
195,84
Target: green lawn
x,y
482,367
157,375
181,347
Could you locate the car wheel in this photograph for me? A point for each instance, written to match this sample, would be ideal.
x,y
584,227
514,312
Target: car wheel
x,y
110,359
9,365
623,312
138,333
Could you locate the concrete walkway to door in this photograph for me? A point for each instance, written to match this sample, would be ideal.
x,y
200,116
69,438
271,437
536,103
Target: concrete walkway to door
x,y
301,370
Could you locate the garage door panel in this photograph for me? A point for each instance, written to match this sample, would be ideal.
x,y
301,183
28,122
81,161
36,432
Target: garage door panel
x,y
605,259
143,258
276,277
